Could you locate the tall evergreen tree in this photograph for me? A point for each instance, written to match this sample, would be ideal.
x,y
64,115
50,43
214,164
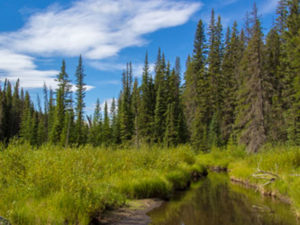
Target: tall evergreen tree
x,y
161,98
115,123
146,117
62,104
215,80
136,99
230,72
125,113
95,135
251,99
106,127
196,93
80,94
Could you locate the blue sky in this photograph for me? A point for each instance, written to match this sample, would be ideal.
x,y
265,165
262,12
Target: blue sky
x,y
35,35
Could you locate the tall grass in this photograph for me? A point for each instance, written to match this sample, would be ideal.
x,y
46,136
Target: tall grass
x,y
53,185
283,161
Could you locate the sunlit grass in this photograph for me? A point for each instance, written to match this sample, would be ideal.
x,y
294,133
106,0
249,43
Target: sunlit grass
x,y
53,185
283,161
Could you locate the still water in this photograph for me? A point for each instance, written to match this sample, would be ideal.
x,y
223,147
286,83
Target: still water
x,y
216,201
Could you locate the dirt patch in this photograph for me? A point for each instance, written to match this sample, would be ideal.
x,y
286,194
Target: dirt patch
x,y
135,213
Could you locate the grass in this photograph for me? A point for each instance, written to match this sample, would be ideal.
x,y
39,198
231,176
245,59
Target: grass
x,y
282,160
53,185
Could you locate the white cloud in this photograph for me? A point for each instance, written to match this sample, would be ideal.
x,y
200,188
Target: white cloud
x,y
137,68
269,6
97,29
14,66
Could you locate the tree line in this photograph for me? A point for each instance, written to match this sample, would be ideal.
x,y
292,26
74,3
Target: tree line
x,y
239,88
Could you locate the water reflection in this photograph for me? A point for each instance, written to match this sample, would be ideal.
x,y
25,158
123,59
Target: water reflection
x,y
215,201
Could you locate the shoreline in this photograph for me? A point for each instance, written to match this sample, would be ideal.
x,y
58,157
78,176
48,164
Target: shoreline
x,y
134,213
272,194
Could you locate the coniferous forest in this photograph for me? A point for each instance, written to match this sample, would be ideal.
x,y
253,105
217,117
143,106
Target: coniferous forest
x,y
240,87
232,105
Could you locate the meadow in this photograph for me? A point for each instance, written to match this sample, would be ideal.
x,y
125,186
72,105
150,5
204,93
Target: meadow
x,y
55,185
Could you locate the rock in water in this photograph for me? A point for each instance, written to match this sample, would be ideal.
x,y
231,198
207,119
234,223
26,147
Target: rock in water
x,y
4,221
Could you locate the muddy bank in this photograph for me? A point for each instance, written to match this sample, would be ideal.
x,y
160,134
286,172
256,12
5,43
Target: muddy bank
x,y
261,189
135,213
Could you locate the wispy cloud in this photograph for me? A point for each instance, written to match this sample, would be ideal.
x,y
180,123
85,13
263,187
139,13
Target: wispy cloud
x,y
97,29
137,68
268,6
14,65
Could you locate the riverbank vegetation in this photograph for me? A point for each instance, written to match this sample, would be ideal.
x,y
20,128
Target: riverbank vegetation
x,y
53,185
275,171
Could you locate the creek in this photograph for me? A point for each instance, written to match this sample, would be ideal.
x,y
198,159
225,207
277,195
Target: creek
x,y
216,201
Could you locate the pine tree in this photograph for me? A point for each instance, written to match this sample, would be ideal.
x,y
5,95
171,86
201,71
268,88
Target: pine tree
x,y
16,111
106,127
282,12
274,119
62,103
26,124
51,114
80,94
291,79
215,80
196,93
232,56
125,113
7,106
171,133
251,99
115,123
135,110
162,72
95,132
146,117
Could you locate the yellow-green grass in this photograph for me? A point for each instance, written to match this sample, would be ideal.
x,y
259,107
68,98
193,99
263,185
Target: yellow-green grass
x,y
54,185
283,161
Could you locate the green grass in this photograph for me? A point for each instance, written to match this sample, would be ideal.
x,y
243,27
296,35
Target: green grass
x,y
283,161
53,185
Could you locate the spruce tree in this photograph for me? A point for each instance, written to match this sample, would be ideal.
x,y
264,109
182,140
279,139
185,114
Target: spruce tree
x,y
26,124
115,123
135,110
230,71
215,80
95,132
80,94
161,98
146,115
62,102
250,119
291,79
106,127
196,93
125,113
